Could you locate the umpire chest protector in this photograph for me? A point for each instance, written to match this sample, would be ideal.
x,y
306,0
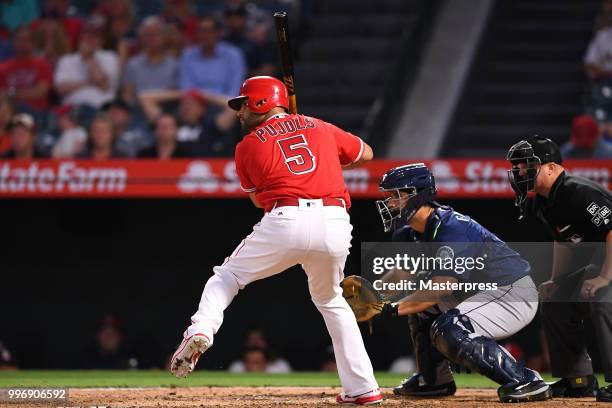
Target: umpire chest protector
x,y
576,210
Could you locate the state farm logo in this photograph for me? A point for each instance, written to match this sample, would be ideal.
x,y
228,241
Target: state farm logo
x,y
60,178
200,177
478,176
485,177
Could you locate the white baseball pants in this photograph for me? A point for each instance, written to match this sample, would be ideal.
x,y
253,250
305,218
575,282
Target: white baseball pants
x,y
316,237
498,314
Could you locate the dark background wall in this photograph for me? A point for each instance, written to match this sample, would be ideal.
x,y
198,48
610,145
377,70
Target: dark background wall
x,y
66,263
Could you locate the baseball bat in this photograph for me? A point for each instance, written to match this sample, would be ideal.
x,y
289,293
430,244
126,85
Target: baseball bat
x,y
284,45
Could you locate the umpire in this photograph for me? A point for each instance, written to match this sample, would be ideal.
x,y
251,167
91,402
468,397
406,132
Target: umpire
x,y
574,210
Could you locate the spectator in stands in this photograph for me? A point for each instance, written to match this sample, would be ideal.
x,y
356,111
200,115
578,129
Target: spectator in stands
x,y
25,78
7,360
259,22
153,68
259,57
6,113
109,351
256,339
604,18
73,137
50,39
598,67
6,49
101,140
119,16
254,360
17,13
203,132
605,125
195,134
586,141
212,66
605,131
59,10
90,76
181,11
166,145
23,134
598,58
175,38
130,137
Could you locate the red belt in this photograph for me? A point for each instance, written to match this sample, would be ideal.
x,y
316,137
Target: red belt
x,y
294,202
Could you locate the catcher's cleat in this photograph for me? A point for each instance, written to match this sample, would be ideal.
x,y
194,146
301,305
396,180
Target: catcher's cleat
x,y
369,398
526,391
577,387
604,394
415,387
186,356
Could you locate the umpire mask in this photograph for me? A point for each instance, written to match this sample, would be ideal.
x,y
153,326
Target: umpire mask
x,y
526,158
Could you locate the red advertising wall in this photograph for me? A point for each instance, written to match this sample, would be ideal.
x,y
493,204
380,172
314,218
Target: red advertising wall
x,y
216,178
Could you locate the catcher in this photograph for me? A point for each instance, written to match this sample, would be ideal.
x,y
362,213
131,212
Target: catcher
x,y
443,326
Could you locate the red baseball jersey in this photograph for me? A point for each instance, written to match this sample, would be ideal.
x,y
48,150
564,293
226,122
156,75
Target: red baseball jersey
x,y
295,156
26,73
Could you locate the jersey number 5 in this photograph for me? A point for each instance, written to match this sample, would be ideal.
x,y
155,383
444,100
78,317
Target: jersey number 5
x,y
298,157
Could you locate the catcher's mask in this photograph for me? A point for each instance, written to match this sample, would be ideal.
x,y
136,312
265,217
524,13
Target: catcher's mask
x,y
414,179
526,158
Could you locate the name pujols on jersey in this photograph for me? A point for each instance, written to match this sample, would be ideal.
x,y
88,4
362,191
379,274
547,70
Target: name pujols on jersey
x,y
283,127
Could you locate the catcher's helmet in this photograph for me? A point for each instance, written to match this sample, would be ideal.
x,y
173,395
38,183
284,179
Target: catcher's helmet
x,y
532,153
262,93
417,181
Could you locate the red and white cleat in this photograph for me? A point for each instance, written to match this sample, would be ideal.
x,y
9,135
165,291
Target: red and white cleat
x,y
369,398
186,356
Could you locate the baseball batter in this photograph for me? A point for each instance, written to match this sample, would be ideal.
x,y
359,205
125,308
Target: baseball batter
x,y
458,327
291,166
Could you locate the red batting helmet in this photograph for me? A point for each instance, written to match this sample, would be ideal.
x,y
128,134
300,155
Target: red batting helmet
x,y
262,93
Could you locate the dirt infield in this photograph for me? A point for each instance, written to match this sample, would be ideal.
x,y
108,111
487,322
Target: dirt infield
x,y
277,397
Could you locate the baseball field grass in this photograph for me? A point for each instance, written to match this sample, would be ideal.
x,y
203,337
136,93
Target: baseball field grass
x,y
200,378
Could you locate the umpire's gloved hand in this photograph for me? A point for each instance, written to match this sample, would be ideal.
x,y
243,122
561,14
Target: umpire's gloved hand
x,y
390,309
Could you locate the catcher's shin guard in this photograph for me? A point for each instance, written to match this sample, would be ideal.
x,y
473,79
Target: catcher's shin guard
x,y
450,335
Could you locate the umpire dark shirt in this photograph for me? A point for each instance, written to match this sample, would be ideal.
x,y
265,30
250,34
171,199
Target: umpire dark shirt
x,y
576,210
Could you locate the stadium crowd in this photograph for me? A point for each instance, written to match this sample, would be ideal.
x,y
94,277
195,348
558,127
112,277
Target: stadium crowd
x,y
591,135
106,79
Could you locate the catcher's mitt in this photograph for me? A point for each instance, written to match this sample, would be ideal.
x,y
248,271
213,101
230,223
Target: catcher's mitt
x,y
364,300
